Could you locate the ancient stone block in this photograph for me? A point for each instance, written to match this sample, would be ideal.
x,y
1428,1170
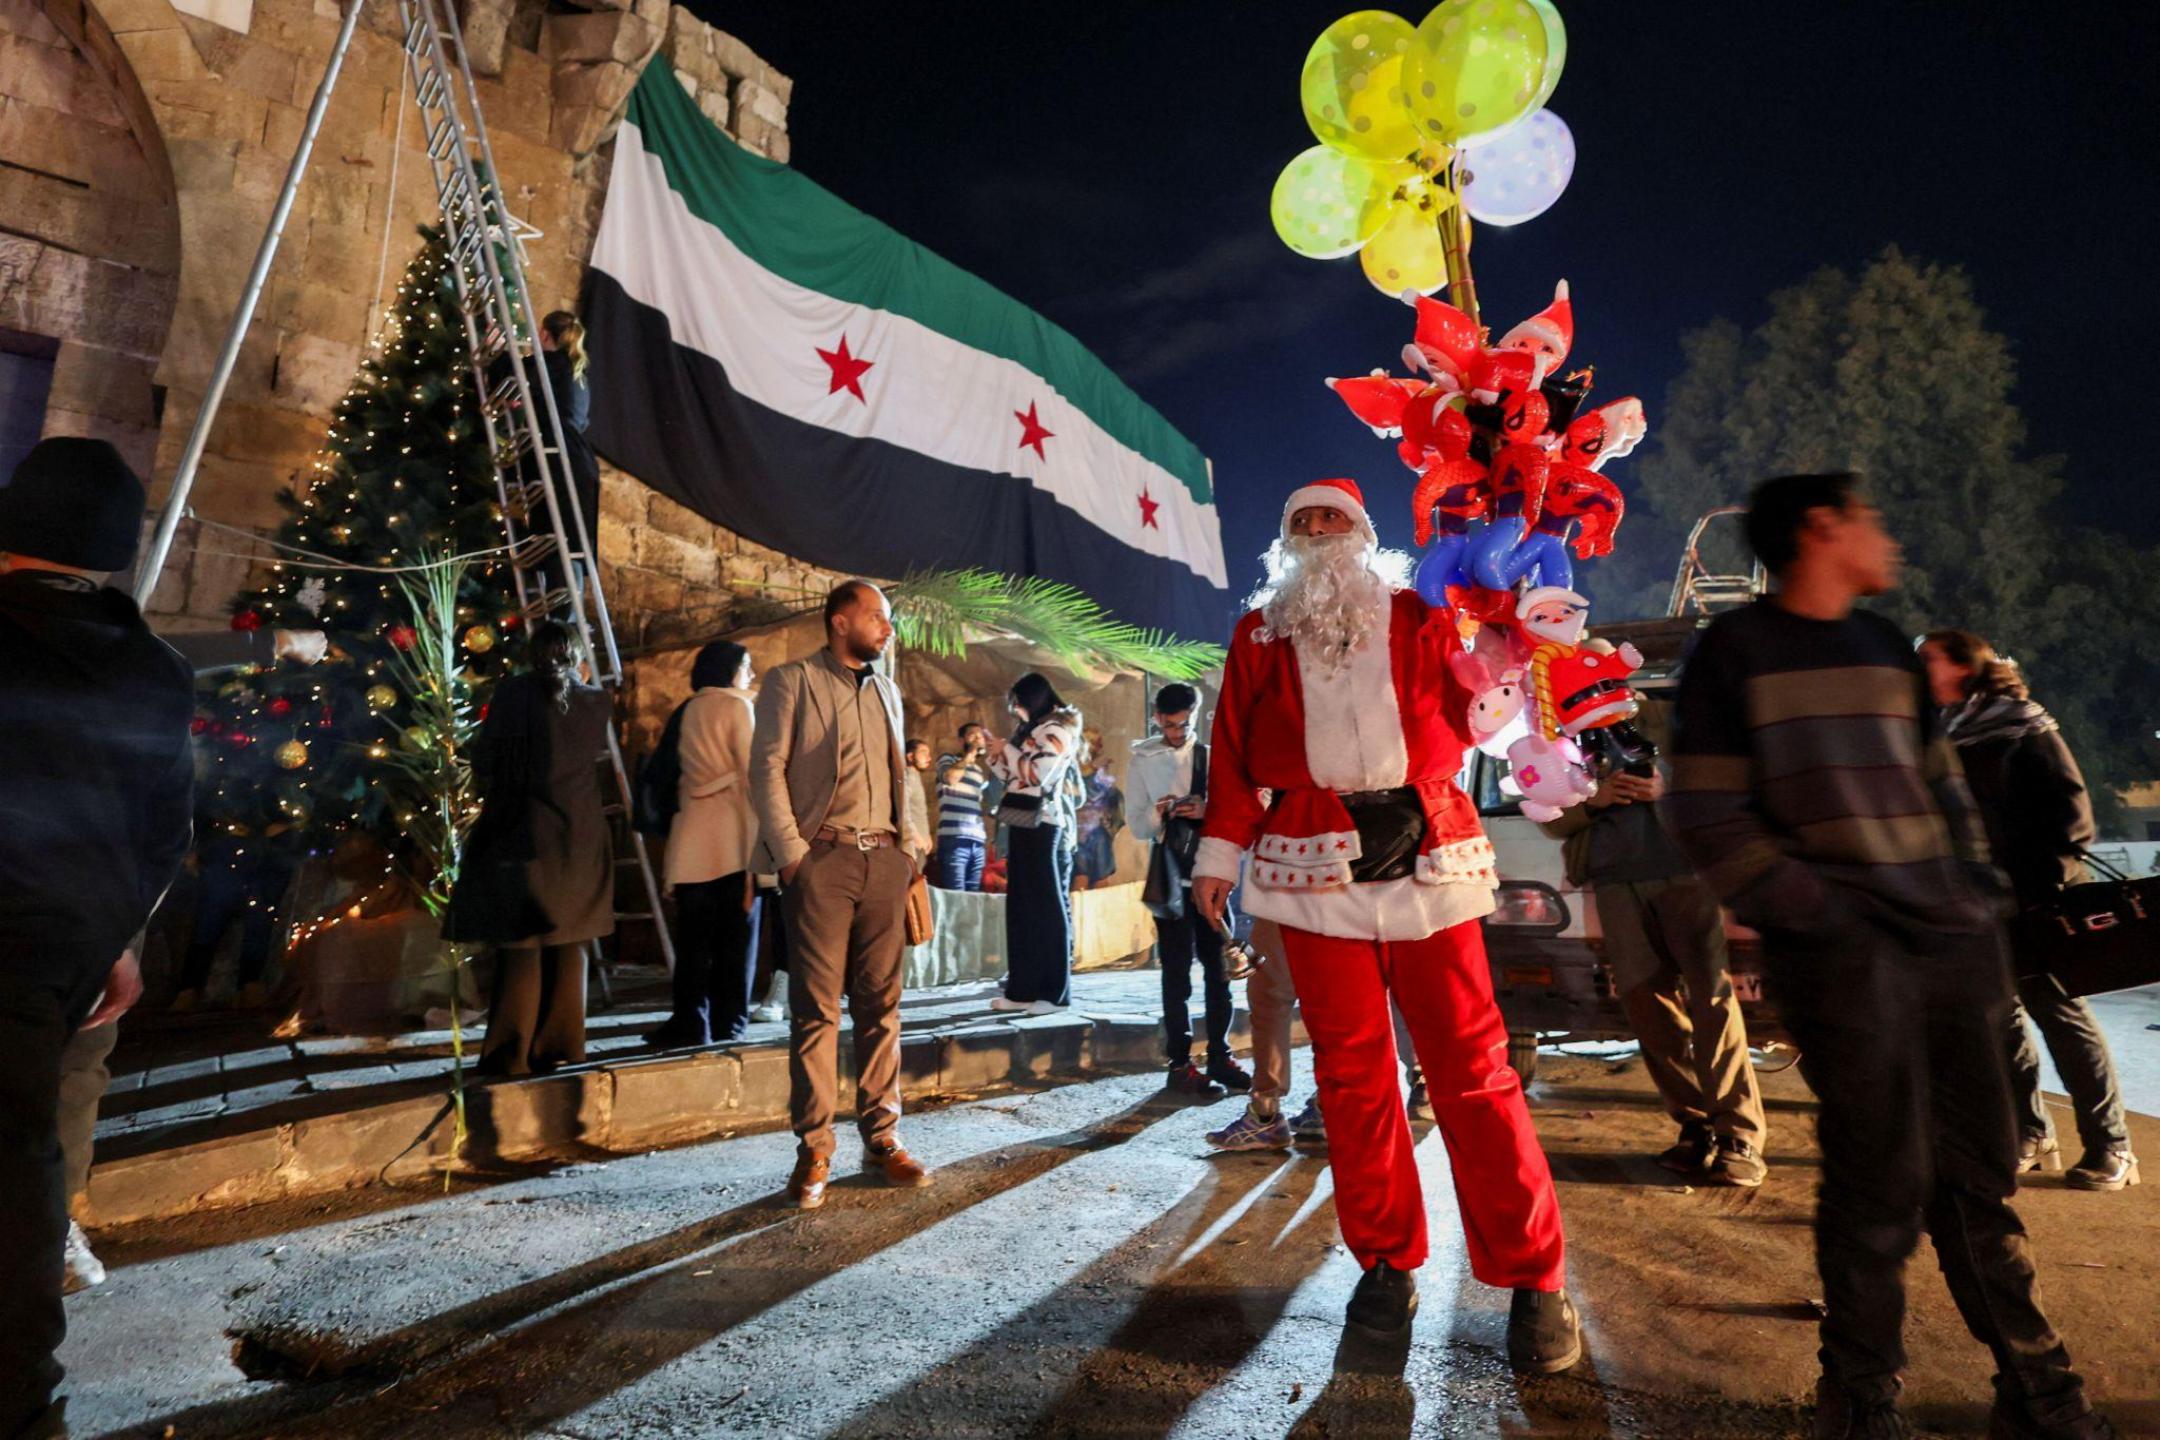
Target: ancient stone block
x,y
621,36
337,196
137,444
123,16
618,545
521,102
162,55
100,156
486,24
107,383
206,164
55,80
24,18
759,100
697,564
742,574
230,14
265,434
735,59
778,148
714,103
622,499
246,65
678,520
314,372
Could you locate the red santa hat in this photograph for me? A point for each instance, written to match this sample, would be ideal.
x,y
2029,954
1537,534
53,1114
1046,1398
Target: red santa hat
x,y
1550,331
1342,495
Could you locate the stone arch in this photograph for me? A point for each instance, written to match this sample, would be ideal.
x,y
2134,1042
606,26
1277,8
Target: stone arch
x,y
89,224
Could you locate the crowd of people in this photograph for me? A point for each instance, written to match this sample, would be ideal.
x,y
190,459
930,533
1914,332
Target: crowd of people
x,y
1815,791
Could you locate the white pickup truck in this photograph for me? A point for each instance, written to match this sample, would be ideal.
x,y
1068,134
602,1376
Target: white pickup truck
x,y
1548,967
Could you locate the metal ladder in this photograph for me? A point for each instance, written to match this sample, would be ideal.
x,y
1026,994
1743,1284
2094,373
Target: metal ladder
x,y
523,425
1697,590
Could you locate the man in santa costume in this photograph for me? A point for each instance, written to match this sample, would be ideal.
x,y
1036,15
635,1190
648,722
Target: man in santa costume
x,y
1337,740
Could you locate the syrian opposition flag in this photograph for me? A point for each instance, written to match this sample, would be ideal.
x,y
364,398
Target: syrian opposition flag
x,y
804,375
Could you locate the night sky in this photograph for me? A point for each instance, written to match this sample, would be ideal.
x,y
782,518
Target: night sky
x,y
1109,164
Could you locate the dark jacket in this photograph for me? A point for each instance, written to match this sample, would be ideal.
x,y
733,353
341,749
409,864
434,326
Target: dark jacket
x,y
573,404
539,867
96,778
2029,790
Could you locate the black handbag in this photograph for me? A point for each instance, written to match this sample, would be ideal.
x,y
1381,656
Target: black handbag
x,y
2093,938
1171,861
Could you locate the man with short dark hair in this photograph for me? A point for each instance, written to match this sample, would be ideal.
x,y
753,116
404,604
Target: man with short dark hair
x,y
829,786
95,784
962,837
1167,782
1814,790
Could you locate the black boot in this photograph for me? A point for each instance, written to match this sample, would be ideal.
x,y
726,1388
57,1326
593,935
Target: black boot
x,y
1227,1073
2114,1168
1385,1300
2067,1416
1842,1415
1544,1334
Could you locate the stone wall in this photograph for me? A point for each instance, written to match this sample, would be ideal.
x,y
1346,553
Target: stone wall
x,y
138,167
89,229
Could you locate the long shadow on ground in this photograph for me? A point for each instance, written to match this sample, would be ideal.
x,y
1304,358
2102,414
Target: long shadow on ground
x,y
643,1309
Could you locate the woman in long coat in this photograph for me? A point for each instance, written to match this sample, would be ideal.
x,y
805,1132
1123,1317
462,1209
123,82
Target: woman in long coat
x,y
708,855
1036,821
537,881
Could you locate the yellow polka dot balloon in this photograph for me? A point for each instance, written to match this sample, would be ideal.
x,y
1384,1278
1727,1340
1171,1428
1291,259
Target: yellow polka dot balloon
x,y
1354,87
1479,66
1406,254
1326,203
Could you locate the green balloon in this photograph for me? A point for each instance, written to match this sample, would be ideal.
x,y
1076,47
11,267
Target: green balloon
x,y
1326,203
1478,66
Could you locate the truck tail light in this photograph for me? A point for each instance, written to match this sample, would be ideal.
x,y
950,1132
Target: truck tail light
x,y
1529,904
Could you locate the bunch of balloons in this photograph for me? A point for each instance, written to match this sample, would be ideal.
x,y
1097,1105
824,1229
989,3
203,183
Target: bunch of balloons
x,y
1416,120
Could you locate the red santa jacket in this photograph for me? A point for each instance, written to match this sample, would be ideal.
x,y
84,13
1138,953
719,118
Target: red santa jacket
x,y
1262,795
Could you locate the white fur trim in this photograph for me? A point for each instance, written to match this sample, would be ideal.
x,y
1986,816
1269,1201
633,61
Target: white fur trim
x,y
1306,496
1465,862
1338,845
1353,720
1385,910
1218,860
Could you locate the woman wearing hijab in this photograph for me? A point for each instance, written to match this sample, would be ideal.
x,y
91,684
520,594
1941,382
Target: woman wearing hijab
x,y
1036,820
708,856
537,881
2039,820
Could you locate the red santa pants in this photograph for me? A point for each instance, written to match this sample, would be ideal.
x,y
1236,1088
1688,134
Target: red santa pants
x,y
1443,985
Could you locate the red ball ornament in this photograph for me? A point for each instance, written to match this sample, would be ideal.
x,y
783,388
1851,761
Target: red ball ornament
x,y
198,725
403,637
511,621
280,707
247,620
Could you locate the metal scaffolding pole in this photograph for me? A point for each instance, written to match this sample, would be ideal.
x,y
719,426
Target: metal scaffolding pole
x,y
152,565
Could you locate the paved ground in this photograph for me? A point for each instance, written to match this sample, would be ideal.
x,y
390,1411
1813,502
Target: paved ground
x,y
1083,1267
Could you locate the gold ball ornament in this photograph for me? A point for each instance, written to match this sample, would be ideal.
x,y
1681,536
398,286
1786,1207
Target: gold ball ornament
x,y
292,755
480,639
418,737
381,697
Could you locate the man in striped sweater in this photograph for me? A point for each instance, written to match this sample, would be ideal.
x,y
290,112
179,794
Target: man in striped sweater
x,y
1814,791
961,835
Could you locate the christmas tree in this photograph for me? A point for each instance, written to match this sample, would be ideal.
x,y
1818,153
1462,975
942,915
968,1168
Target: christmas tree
x,y
294,754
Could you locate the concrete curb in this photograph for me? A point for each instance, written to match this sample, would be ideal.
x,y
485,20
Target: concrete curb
x,y
611,1107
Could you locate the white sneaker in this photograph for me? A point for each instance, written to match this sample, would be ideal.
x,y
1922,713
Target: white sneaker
x,y
1001,1003
1044,1007
84,1269
771,1012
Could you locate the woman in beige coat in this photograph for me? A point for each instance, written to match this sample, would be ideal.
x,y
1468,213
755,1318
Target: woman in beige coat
x,y
708,856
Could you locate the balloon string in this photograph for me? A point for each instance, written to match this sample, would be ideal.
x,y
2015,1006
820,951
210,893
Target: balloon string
x,y
1454,224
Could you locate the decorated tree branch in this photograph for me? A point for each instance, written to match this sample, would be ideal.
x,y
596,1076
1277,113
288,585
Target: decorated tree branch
x,y
936,610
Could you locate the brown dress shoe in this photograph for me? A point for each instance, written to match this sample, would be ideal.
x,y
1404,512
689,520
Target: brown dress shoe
x,y
896,1166
806,1187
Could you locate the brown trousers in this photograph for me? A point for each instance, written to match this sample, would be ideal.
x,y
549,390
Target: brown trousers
x,y
846,918
1665,941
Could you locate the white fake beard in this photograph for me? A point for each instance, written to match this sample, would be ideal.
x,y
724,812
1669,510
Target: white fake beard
x,y
1325,594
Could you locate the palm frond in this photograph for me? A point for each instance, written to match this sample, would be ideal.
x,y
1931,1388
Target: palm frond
x,y
936,611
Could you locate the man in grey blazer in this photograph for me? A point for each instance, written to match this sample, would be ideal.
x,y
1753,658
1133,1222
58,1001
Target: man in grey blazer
x,y
829,785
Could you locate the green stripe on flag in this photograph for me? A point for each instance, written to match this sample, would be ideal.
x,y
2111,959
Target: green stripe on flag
x,y
802,232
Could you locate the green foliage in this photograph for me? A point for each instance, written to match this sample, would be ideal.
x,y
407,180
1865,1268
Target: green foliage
x,y
1893,372
934,611
427,769
404,474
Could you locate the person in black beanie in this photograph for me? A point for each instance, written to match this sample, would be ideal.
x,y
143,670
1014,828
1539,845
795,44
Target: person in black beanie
x,y
95,792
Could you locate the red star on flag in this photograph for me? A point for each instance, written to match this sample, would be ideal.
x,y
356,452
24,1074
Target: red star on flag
x,y
1032,433
1148,507
847,370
